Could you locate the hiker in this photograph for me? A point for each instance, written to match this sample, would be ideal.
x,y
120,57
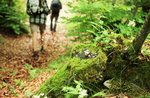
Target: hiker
x,y
38,11
55,8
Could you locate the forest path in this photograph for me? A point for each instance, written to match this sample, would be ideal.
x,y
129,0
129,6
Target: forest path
x,y
16,52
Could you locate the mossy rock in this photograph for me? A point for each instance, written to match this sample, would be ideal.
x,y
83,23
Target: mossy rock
x,y
87,64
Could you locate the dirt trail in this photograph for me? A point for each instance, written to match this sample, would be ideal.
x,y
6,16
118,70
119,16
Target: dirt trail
x,y
21,45
16,52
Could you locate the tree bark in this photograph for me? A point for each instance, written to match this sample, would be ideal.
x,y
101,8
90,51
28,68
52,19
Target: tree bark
x,y
139,40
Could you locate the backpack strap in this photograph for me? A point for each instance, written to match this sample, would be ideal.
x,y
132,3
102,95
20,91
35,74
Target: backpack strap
x,y
41,3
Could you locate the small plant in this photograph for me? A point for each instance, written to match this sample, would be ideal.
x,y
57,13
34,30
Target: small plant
x,y
28,93
13,73
16,95
29,67
32,72
22,86
78,91
4,84
99,94
11,90
58,63
18,82
145,96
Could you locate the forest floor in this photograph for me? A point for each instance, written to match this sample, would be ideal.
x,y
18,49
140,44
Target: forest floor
x,y
16,58
16,54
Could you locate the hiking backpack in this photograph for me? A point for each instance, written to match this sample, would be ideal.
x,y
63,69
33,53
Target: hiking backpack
x,y
56,5
34,6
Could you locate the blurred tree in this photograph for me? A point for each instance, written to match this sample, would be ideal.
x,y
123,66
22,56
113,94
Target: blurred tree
x,y
12,16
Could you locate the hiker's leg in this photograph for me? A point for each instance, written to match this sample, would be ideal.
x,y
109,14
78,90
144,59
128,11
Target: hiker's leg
x,y
42,32
34,30
56,18
51,26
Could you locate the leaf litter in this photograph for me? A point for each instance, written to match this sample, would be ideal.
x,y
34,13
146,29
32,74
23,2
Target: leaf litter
x,y
15,54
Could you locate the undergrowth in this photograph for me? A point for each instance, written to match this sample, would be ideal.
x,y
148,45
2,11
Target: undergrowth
x,y
127,75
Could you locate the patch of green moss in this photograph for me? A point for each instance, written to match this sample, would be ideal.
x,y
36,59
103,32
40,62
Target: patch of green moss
x,y
54,85
89,70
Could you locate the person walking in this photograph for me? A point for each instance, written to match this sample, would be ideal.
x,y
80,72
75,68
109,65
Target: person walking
x,y
37,11
55,8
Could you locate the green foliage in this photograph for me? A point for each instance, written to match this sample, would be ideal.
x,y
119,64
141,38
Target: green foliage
x,y
85,12
28,93
12,17
74,92
4,84
18,82
32,72
99,94
22,85
128,76
97,17
13,73
11,90
57,64
145,96
55,83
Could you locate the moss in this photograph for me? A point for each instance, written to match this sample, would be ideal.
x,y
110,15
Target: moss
x,y
54,84
80,47
88,70
89,64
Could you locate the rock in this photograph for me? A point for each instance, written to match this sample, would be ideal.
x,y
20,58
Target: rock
x,y
108,83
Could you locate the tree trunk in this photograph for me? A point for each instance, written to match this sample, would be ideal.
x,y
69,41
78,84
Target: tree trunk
x,y
134,10
139,40
10,3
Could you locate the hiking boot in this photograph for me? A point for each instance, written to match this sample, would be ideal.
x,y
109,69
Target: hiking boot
x,y
35,54
51,29
42,50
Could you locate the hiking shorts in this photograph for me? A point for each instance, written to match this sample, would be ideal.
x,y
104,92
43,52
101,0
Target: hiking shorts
x,y
37,27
